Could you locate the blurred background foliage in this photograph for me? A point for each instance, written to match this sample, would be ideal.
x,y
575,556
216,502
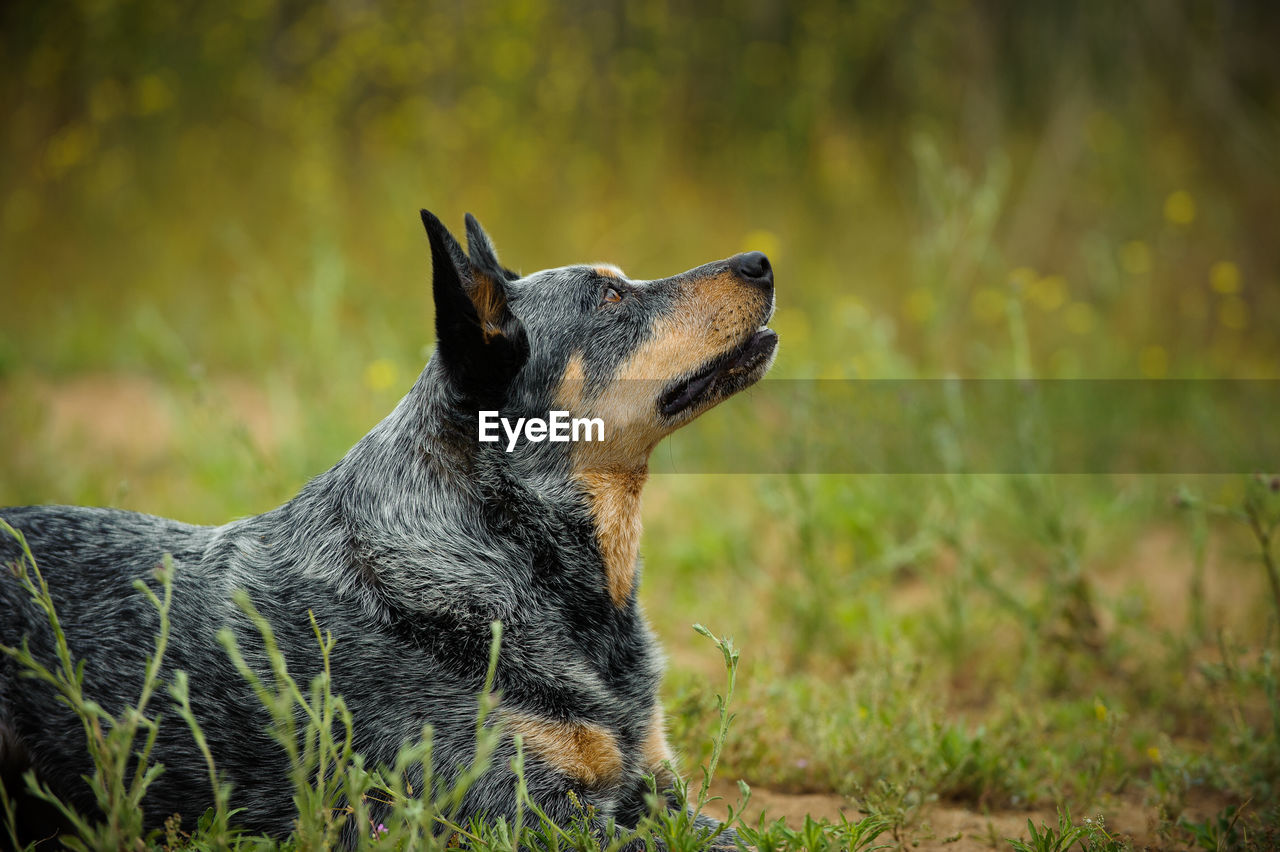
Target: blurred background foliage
x,y
182,171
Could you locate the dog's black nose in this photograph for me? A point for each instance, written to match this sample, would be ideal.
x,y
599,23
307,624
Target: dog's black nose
x,y
754,268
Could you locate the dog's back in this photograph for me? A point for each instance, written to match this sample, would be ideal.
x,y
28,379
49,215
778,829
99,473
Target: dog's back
x,y
90,559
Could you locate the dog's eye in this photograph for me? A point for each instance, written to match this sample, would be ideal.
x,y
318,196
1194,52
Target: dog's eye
x,y
612,295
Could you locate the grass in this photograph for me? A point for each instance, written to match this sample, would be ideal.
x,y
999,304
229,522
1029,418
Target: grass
x,y
1081,712
1091,836
332,784
994,643
986,642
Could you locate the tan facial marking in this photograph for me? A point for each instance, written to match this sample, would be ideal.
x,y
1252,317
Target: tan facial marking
x,y
572,385
714,314
584,751
608,270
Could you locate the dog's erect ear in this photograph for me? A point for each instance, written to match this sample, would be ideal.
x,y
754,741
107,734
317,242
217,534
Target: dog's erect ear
x,y
481,342
483,256
458,280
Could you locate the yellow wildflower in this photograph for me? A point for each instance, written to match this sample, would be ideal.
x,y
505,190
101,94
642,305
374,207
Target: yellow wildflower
x,y
1180,208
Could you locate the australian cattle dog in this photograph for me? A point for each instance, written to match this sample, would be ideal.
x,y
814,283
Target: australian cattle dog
x,y
466,505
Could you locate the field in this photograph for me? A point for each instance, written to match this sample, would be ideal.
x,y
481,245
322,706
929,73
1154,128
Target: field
x,y
213,282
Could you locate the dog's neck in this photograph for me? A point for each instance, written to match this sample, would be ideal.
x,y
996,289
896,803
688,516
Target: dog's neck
x,y
424,441
613,498
608,476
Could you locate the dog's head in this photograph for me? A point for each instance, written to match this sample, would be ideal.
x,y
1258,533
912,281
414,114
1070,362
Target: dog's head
x,y
645,357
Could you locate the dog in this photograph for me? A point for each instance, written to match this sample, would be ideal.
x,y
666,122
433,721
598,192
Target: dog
x,y
410,547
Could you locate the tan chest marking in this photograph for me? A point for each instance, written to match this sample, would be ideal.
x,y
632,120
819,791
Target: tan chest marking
x,y
612,477
656,749
583,751
614,495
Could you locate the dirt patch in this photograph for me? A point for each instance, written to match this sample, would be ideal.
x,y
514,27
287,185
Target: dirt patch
x,y
120,416
945,826
1159,565
137,419
1155,568
793,807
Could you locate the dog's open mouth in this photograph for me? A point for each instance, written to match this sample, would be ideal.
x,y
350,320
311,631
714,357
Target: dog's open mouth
x,y
723,376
